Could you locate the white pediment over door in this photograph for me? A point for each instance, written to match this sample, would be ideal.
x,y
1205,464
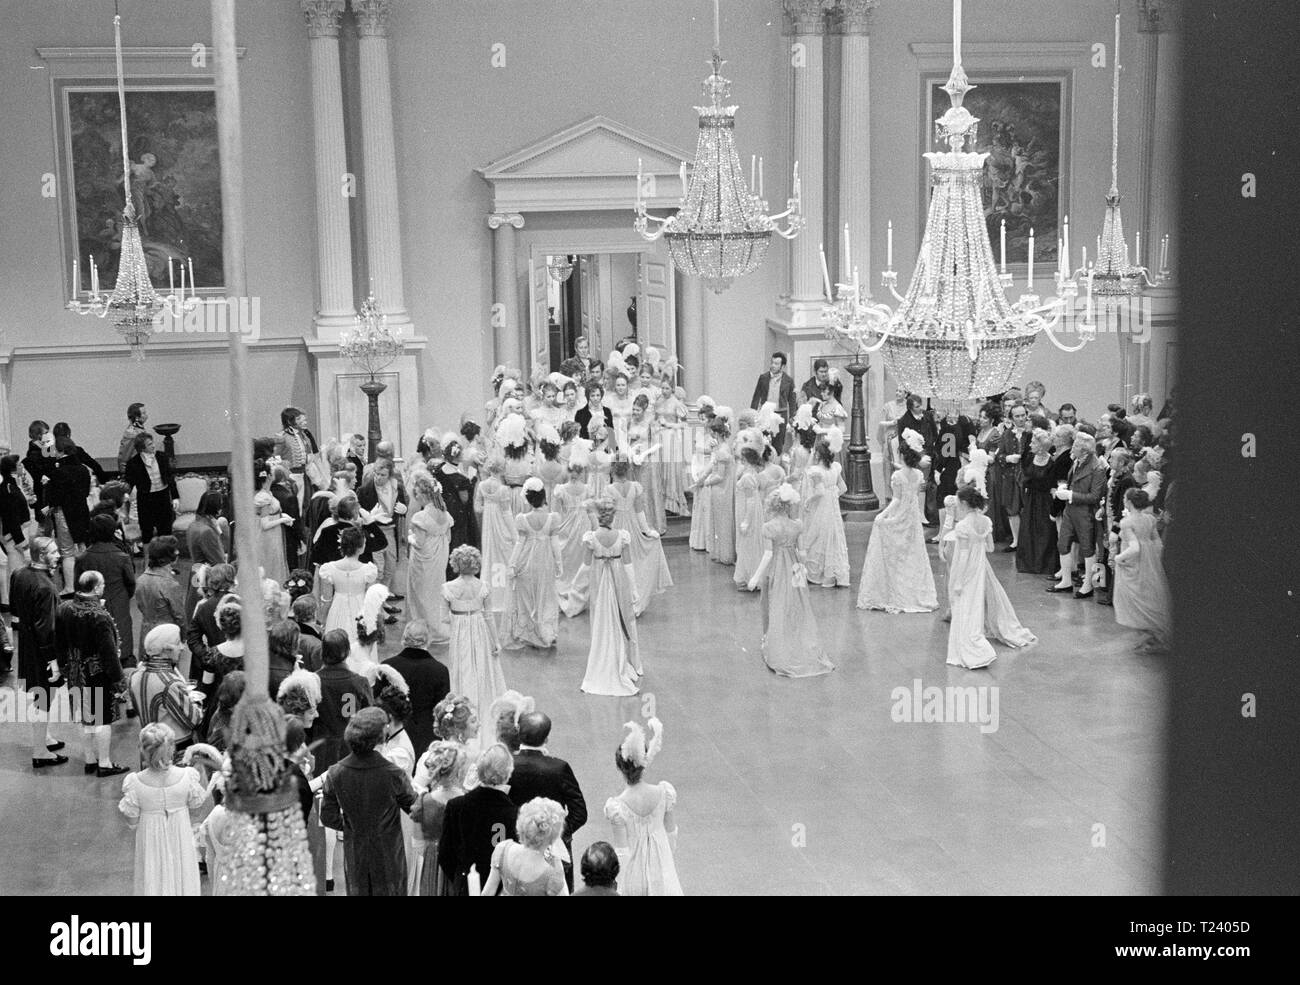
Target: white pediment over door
x,y
591,165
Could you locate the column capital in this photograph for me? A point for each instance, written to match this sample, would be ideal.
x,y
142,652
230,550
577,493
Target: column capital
x,y
806,16
322,17
853,16
1158,16
498,219
372,17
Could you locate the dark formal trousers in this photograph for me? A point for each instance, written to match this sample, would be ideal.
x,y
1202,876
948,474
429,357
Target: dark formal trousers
x,y
156,514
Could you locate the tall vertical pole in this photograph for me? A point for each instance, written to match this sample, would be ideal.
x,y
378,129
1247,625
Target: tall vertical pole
x,y
256,665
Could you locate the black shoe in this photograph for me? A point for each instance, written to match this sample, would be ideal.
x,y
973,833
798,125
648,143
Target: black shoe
x,y
91,767
40,764
392,610
390,620
1082,595
55,746
203,868
113,770
1060,588
329,885
1104,600
132,713
1010,549
397,598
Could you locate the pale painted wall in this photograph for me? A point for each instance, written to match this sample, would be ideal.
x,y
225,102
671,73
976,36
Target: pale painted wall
x,y
639,64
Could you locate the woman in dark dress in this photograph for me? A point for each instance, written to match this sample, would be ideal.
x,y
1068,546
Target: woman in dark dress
x,y
67,495
14,517
1036,552
458,494
989,438
953,442
286,494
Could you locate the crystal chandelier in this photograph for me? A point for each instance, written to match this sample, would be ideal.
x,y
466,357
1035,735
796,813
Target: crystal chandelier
x,y
1113,278
372,346
721,230
134,305
954,335
560,268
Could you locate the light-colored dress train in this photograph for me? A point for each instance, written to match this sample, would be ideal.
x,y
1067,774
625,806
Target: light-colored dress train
x,y
166,858
572,521
791,642
1141,590
649,869
980,607
472,663
496,537
532,604
824,546
613,663
426,571
896,575
645,551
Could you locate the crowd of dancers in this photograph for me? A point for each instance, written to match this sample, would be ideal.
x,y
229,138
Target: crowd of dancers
x,y
548,504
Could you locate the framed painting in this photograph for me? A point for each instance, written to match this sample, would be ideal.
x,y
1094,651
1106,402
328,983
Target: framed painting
x,y
175,176
1024,130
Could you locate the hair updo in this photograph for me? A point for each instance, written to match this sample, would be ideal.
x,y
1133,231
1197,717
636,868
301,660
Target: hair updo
x,y
352,540
535,497
157,746
910,456
1139,499
620,468
446,763
972,497
454,718
539,823
466,560
823,452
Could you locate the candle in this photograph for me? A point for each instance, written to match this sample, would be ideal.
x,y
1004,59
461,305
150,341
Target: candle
x,y
956,32
1065,248
1098,248
717,27
826,274
681,173
171,277
753,171
192,281
889,245
1004,245
1060,257
638,189
76,279
1087,318
1029,279
94,278
856,289
848,253
181,296
1083,262
1137,249
1164,252
760,179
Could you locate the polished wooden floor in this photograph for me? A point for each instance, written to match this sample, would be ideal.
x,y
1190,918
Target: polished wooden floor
x,y
789,786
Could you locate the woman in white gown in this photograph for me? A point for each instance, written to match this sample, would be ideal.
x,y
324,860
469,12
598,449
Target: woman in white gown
x,y
157,802
792,644
494,502
613,664
532,604
670,417
720,487
896,575
645,829
341,585
645,552
749,506
472,657
1141,594
271,521
980,607
426,563
619,402
823,544
571,504
701,453
642,449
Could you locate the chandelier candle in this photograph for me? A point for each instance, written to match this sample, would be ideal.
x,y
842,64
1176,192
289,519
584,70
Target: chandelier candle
x,y
826,274
889,244
1004,246
1029,278
848,253
1065,250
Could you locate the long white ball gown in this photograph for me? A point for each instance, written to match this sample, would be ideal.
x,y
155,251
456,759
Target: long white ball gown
x,y
573,520
497,537
1141,591
791,642
823,544
896,575
532,616
649,869
645,551
980,607
613,663
426,570
472,662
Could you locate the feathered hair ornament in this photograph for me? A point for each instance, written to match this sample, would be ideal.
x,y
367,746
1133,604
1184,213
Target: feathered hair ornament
x,y
580,453
669,368
653,356
512,431
508,385
546,432
976,470
631,349
725,413
914,441
370,622
748,419
751,438
787,494
804,420
835,439
533,484
615,364
703,400
769,421
394,679
635,749
514,702
304,680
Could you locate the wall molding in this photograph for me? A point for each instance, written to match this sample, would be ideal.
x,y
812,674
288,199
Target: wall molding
x,y
105,54
193,346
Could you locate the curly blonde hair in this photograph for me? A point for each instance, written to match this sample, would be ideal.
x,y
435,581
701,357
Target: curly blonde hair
x,y
446,763
157,746
540,823
466,560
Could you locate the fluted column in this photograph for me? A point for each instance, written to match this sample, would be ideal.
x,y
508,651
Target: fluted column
x,y
379,158
807,27
507,337
334,311
1158,89
691,330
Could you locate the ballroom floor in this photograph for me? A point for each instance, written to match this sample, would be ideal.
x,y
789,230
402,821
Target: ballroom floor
x,y
789,786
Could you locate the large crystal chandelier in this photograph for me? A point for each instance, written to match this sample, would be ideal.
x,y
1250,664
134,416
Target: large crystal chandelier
x,y
954,335
721,231
372,346
134,305
1113,278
